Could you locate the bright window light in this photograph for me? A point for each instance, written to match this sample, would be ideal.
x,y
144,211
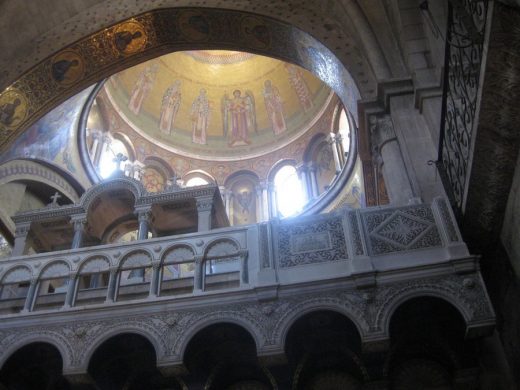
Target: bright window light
x,y
107,165
196,181
344,131
289,193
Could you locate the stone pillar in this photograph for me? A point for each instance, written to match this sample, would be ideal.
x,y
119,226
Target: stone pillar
x,y
20,238
144,217
334,142
204,211
198,274
154,283
259,204
71,291
222,190
265,201
273,204
95,144
112,284
229,195
31,295
314,180
386,149
79,231
304,179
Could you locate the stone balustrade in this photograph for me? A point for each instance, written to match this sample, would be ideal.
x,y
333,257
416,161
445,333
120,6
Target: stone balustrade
x,y
362,263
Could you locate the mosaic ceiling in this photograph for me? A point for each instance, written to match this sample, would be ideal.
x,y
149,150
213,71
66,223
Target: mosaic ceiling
x,y
215,104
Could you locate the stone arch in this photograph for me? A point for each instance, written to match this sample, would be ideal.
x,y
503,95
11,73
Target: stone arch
x,y
123,183
200,174
276,167
227,245
55,269
181,249
16,274
15,341
136,258
289,318
100,262
309,52
215,318
138,328
42,172
399,297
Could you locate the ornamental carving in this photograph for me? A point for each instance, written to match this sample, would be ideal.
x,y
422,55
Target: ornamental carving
x,y
311,242
17,274
137,259
392,230
95,264
56,270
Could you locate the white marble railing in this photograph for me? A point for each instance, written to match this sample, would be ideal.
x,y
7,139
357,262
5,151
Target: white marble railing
x,y
349,243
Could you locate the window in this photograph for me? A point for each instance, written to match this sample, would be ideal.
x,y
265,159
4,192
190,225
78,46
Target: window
x,y
289,192
107,165
196,181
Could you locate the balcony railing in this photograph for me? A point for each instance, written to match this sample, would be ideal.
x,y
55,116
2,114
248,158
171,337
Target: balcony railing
x,y
355,244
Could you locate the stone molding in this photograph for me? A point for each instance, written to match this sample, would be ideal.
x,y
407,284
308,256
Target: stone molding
x,y
170,329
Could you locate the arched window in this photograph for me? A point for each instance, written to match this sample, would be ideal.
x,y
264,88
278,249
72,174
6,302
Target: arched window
x,y
289,193
107,165
196,181
344,131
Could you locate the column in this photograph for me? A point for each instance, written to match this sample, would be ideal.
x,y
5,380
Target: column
x,y
111,289
386,148
144,216
333,141
71,291
105,143
229,196
222,191
314,180
273,205
198,274
79,223
204,210
20,238
95,144
304,179
259,204
265,201
154,283
29,300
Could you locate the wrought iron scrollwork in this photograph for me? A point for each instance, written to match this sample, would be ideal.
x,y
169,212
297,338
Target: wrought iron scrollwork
x,y
464,52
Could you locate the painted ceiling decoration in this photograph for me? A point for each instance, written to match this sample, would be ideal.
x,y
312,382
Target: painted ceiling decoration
x,y
217,105
147,36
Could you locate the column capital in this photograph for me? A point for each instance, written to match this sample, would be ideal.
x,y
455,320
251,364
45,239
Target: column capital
x,y
204,203
144,214
22,230
381,129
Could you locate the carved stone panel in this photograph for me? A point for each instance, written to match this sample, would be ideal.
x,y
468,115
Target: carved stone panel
x,y
311,242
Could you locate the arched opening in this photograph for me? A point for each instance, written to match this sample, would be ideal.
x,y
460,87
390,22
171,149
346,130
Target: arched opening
x,y
428,345
323,349
290,197
223,356
127,361
35,366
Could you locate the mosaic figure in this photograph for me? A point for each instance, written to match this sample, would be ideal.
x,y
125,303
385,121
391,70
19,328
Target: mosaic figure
x,y
141,89
170,106
239,117
200,113
274,107
300,86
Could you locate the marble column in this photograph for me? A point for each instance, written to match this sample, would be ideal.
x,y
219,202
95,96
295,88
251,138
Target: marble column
x,y
71,291
112,285
314,180
335,141
144,217
154,283
303,174
387,152
265,201
79,231
198,275
20,238
229,196
259,204
273,203
204,210
31,295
